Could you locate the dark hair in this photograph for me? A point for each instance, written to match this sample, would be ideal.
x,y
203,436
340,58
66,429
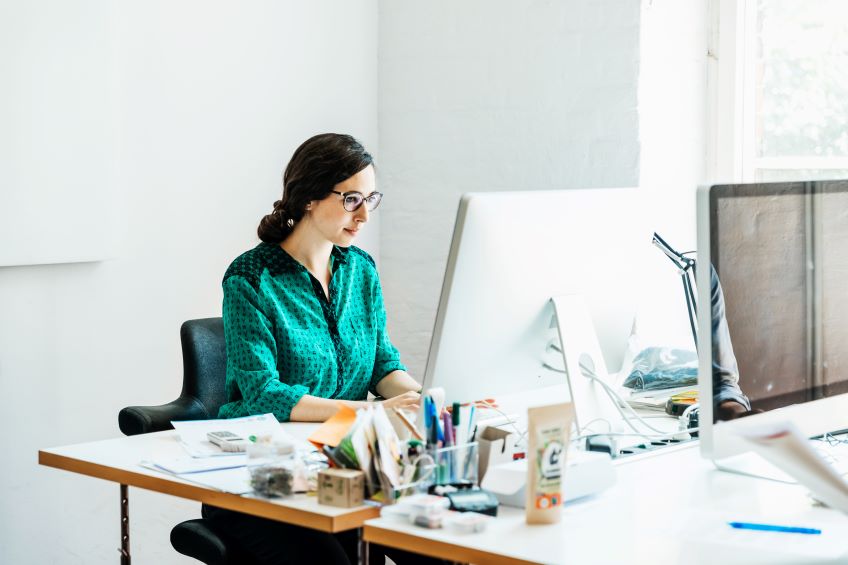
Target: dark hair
x,y
318,165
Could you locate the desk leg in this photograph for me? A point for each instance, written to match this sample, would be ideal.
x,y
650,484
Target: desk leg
x,y
363,549
125,525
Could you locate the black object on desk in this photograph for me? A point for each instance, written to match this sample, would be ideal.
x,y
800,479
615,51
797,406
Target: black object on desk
x,y
473,500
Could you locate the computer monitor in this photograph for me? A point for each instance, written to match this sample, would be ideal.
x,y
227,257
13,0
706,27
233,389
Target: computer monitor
x,y
781,254
511,253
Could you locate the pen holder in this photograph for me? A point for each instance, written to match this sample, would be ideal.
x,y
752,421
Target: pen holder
x,y
455,465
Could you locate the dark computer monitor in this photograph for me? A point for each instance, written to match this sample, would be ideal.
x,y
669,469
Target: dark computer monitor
x,y
781,253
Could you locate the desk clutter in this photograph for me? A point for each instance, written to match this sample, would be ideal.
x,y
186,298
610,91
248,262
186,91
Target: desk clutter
x,y
398,459
423,468
246,456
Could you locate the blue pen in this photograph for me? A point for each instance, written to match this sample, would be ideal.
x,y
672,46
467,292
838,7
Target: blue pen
x,y
439,423
773,528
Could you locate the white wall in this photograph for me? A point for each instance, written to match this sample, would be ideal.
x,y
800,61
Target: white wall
x,y
672,112
672,132
482,95
214,96
57,152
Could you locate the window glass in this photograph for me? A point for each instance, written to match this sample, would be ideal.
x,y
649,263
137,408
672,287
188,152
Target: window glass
x,y
801,78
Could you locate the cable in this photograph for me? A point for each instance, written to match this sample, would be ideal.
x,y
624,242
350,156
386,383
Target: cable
x,y
688,431
607,422
618,402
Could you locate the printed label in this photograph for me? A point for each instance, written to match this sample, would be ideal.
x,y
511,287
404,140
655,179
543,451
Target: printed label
x,y
549,458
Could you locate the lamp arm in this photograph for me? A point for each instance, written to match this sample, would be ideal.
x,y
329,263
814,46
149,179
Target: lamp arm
x,y
686,267
680,261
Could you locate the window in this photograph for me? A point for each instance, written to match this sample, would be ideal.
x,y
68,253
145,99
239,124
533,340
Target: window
x,y
781,90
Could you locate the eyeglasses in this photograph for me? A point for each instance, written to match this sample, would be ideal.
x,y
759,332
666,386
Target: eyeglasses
x,y
353,200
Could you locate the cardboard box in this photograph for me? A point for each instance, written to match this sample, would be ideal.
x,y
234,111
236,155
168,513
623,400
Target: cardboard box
x,y
496,446
341,487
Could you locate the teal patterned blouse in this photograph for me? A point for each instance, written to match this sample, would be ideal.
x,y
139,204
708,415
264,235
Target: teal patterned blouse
x,y
285,339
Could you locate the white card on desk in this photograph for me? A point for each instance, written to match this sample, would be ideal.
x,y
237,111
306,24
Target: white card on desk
x,y
234,480
188,464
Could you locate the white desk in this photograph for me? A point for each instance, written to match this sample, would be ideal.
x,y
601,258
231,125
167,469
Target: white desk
x,y
117,460
667,508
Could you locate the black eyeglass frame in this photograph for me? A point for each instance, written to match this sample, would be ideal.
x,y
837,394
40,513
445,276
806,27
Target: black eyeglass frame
x,y
344,196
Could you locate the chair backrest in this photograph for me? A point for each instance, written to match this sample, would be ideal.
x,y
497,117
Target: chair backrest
x,y
204,376
204,362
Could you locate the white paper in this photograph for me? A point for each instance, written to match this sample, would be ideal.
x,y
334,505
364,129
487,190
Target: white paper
x,y
236,481
193,433
188,464
784,446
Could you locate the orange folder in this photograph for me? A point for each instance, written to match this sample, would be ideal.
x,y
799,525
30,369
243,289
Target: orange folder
x,y
333,430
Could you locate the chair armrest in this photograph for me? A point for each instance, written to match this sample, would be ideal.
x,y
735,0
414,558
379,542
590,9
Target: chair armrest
x,y
196,538
135,420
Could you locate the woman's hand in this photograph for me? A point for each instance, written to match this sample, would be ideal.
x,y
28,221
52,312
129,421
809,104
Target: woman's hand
x,y
406,401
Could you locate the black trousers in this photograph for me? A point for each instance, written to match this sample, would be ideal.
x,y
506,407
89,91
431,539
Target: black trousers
x,y
268,542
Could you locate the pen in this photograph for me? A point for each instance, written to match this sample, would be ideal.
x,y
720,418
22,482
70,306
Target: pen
x,y
447,423
773,528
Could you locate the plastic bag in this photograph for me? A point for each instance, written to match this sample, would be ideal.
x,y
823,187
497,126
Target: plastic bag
x,y
657,368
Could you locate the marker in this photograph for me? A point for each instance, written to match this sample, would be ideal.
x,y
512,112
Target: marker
x,y
773,528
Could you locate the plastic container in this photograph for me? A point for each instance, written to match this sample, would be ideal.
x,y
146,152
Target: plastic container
x,y
423,510
456,465
466,522
274,468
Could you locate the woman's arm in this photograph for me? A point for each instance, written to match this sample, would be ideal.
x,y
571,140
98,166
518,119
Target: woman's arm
x,y
400,390
316,409
397,383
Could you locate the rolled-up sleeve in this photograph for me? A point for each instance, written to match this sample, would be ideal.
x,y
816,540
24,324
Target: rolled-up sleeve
x,y
387,358
252,357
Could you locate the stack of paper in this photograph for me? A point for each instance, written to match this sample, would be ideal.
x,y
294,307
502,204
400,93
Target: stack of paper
x,y
206,464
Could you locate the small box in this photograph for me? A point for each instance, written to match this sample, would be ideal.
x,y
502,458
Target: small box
x,y
497,445
341,487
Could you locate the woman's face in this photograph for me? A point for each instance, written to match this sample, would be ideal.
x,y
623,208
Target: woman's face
x,y
331,219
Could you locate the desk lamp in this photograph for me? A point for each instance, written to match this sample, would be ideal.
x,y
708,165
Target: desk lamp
x,y
686,270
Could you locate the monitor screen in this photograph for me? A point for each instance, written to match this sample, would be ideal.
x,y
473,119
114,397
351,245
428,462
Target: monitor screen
x,y
780,258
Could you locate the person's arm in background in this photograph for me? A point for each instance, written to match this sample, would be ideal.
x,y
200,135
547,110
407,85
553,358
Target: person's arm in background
x,y
729,400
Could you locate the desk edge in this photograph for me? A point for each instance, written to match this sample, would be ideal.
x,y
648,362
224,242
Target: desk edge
x,y
435,548
255,507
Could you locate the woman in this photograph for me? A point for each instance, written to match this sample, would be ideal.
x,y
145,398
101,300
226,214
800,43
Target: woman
x,y
305,326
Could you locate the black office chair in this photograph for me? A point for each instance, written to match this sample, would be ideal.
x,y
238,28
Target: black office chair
x,y
204,372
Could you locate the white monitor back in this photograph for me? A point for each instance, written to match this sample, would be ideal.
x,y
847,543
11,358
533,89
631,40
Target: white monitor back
x,y
781,251
511,253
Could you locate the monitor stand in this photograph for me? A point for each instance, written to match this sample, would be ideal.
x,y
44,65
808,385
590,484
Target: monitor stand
x,y
584,365
752,465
